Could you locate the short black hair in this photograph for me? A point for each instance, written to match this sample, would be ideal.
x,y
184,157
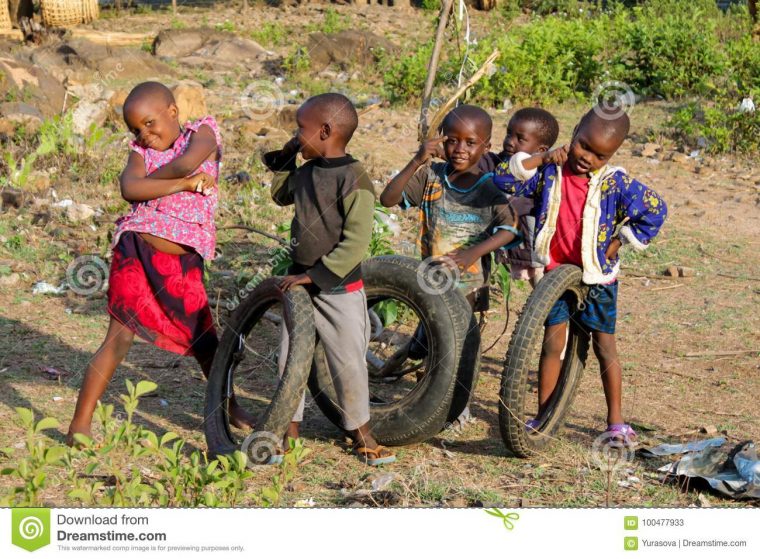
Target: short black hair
x,y
612,123
471,113
546,125
337,110
147,89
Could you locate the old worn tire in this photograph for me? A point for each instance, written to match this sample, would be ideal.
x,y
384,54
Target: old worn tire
x,y
526,340
424,410
469,368
298,316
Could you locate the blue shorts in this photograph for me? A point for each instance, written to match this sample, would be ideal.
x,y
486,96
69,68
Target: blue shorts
x,y
597,312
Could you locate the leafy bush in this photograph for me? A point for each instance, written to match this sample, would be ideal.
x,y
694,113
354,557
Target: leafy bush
x,y
744,57
667,48
719,126
404,76
564,50
106,474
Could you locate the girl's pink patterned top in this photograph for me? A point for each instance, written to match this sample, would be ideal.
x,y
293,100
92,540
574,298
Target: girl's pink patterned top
x,y
186,218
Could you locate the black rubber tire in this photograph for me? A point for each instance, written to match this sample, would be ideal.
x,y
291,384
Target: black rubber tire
x,y
469,368
298,316
424,410
526,339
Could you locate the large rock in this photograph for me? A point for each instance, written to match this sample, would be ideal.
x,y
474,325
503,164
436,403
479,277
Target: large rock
x,y
33,84
205,42
21,113
191,100
176,43
82,61
346,48
87,113
233,48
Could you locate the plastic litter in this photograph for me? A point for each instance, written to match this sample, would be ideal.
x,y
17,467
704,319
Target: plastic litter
x,y
669,449
44,288
747,105
734,472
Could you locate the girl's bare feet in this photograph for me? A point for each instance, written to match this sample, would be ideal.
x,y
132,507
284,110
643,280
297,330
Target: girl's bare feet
x,y
239,417
73,430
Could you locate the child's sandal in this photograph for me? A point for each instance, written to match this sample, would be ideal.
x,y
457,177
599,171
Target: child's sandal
x,y
372,456
621,434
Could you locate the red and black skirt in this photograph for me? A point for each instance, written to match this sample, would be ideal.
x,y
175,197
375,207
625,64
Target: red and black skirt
x,y
161,297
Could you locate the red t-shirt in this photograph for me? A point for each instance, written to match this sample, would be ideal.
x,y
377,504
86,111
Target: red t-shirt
x,y
565,247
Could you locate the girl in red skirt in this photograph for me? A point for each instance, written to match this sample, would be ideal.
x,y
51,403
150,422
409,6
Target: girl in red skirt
x,y
156,282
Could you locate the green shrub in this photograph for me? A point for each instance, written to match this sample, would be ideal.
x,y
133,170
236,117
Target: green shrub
x,y
744,57
667,48
404,76
718,125
549,60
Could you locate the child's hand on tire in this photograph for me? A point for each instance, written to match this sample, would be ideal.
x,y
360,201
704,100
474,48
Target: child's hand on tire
x,y
295,279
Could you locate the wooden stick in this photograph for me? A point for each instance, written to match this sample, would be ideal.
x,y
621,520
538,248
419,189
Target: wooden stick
x,y
443,18
721,353
254,230
667,287
448,105
369,109
111,38
722,274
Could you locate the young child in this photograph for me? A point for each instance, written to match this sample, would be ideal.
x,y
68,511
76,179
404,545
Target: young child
x,y
156,282
331,230
581,201
463,216
530,130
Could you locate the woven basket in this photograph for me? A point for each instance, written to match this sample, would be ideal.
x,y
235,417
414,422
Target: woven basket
x,y
5,16
61,13
90,10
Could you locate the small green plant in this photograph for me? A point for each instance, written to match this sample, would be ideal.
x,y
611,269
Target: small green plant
x,y
332,22
226,25
271,33
31,469
178,24
56,136
272,496
18,171
106,473
297,61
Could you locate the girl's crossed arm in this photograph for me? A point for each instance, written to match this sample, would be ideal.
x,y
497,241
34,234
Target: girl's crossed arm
x,y
136,186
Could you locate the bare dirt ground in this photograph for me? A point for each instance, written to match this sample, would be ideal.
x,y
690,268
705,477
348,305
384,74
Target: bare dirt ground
x,y
712,228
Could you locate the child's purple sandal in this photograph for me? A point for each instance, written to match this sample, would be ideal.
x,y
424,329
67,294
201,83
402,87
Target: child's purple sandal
x,y
621,433
532,425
